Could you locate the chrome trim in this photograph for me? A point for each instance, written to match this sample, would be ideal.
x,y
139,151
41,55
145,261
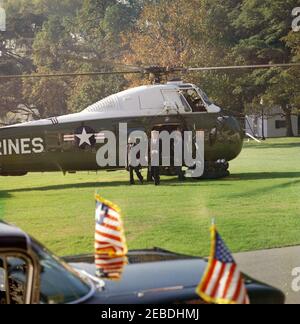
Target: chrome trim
x,y
87,297
30,275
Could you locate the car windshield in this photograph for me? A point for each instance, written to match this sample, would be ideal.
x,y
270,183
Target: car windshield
x,y
60,284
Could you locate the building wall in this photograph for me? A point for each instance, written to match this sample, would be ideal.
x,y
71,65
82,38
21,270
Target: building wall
x,y
272,131
253,125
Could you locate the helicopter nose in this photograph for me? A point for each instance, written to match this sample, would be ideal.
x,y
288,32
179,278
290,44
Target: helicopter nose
x,y
230,125
231,134
234,124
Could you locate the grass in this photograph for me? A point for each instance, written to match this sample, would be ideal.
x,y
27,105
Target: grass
x,y
257,207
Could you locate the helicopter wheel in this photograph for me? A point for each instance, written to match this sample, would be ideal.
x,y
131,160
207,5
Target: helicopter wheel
x,y
215,170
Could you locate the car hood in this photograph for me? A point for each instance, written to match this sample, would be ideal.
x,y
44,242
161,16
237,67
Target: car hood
x,y
156,276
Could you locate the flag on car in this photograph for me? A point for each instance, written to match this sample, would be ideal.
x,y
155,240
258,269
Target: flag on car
x,y
222,283
110,243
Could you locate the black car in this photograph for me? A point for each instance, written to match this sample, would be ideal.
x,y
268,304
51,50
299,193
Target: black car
x,y
30,274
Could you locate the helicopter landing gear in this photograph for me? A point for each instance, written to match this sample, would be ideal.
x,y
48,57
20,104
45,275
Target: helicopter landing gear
x,y
215,170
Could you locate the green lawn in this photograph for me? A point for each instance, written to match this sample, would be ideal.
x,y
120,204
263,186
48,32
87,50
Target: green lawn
x,y
257,207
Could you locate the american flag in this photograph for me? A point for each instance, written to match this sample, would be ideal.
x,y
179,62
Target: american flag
x,y
222,283
110,243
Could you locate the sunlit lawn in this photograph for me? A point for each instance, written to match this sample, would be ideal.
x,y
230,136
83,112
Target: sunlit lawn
x,y
257,207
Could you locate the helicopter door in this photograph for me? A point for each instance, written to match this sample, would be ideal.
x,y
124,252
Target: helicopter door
x,y
174,101
53,141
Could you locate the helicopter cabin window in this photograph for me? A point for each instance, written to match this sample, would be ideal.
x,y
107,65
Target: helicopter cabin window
x,y
174,99
194,100
53,141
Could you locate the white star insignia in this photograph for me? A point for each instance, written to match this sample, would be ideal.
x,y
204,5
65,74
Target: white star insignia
x,y
84,137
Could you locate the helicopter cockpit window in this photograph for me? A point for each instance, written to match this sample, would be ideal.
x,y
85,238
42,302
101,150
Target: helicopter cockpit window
x,y
204,97
194,100
185,104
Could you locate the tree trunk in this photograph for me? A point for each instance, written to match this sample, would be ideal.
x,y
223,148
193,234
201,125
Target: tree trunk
x,y
289,124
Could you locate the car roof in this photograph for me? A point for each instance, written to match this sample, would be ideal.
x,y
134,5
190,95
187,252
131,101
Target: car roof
x,y
12,237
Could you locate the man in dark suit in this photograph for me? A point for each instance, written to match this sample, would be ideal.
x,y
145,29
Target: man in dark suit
x,y
155,156
131,168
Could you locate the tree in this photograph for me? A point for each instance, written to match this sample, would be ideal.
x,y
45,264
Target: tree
x,y
181,33
97,39
165,34
90,35
261,27
50,55
88,39
23,22
86,91
293,42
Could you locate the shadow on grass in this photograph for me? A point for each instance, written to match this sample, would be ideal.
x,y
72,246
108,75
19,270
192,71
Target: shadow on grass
x,y
71,186
266,145
265,190
229,181
264,175
164,182
4,195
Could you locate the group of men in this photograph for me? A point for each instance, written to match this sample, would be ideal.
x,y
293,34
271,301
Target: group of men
x,y
153,172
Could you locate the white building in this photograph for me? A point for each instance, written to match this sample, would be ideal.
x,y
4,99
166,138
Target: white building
x,y
274,124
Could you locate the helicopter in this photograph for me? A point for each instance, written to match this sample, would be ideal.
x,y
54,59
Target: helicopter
x,y
70,143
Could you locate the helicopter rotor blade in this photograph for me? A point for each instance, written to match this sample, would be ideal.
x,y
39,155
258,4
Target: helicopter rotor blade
x,y
149,70
243,67
62,75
